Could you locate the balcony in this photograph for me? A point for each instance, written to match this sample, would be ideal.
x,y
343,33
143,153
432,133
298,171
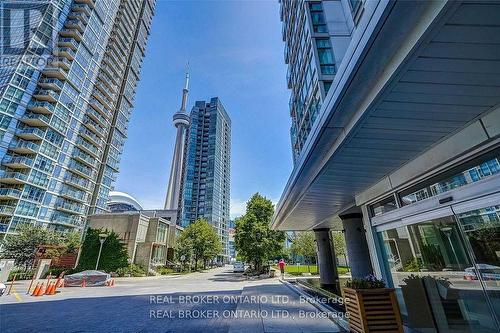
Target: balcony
x,y
89,135
109,94
17,162
88,148
7,210
52,84
46,96
81,8
97,117
90,3
76,195
61,62
43,107
108,104
79,16
109,69
35,119
67,219
68,42
111,84
84,157
65,52
71,32
113,59
13,177
81,169
93,126
75,24
9,193
30,133
55,72
24,147
81,183
69,206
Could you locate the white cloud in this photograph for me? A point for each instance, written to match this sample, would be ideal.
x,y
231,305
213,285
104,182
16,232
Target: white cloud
x,y
238,208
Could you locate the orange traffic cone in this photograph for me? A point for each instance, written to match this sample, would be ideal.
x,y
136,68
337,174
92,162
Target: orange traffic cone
x,y
84,283
41,291
112,282
53,289
36,290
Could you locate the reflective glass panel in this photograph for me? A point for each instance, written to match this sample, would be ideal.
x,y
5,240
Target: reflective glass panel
x,y
429,264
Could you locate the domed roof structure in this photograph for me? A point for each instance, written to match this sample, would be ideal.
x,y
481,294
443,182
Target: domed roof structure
x,y
122,202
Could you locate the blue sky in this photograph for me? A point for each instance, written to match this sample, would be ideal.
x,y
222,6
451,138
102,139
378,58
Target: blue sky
x,y
236,53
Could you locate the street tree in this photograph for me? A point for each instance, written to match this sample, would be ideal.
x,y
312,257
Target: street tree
x,y
304,245
254,239
184,251
339,245
204,240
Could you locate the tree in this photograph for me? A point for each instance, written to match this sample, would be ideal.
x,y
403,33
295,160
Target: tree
x,y
204,241
113,255
339,246
184,251
304,245
254,240
23,245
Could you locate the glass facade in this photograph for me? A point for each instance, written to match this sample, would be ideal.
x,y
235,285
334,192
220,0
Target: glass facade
x,y
60,103
446,271
206,184
311,60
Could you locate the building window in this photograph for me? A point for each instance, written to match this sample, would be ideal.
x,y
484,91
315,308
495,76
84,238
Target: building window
x,y
325,55
317,17
467,173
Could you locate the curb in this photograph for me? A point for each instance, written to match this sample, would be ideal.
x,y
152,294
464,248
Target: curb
x,y
343,324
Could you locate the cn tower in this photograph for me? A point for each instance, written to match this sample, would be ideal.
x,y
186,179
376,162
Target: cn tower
x,y
181,121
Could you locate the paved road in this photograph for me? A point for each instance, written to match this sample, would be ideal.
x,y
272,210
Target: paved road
x,y
214,301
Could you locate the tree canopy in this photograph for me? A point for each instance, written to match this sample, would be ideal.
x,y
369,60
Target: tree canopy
x,y
199,241
23,245
113,255
304,245
254,240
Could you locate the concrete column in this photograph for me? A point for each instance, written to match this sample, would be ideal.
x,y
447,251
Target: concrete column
x,y
328,276
357,247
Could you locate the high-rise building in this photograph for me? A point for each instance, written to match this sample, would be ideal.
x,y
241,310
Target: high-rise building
x,y
206,185
66,97
313,50
404,154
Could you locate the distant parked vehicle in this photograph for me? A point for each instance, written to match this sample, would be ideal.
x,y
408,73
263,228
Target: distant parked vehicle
x,y
238,267
488,272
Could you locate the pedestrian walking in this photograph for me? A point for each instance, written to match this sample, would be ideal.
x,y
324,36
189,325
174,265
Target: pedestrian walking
x,y
282,265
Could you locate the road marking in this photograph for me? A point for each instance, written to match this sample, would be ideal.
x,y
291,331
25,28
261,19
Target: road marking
x,y
19,299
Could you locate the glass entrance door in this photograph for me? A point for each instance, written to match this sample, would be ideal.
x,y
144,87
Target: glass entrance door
x,y
481,228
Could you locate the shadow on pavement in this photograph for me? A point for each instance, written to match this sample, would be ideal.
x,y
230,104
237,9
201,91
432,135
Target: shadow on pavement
x,y
228,277
141,313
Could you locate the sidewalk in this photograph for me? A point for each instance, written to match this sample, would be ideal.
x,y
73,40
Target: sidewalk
x,y
276,308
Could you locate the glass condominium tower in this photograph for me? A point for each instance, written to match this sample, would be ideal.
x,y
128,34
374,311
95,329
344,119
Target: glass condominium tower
x,y
207,175
67,83
316,36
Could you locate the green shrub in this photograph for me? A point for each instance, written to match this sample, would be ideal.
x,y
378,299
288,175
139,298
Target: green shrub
x,y
164,270
131,270
21,274
370,282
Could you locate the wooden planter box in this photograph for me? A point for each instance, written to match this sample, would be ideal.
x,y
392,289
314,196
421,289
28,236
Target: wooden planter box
x,y
372,310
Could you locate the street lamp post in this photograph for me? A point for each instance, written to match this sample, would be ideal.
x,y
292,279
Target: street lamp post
x,y
102,238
